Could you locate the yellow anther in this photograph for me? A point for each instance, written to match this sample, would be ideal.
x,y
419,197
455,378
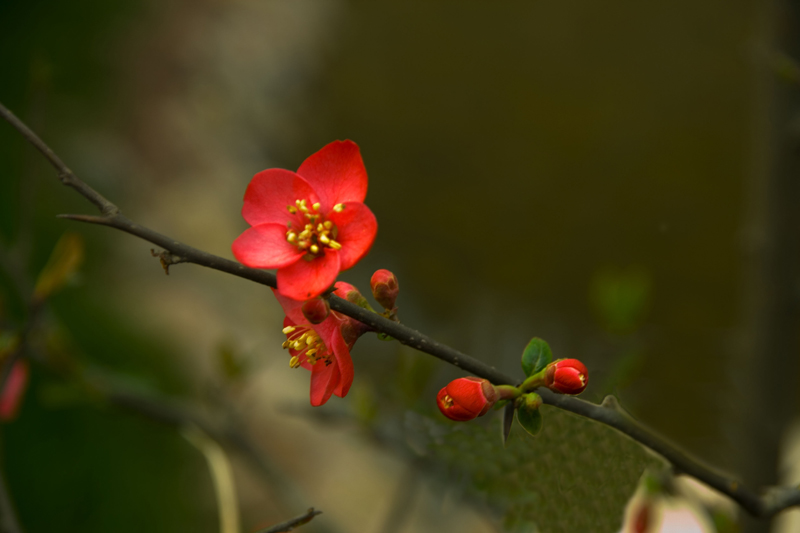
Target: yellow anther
x,y
314,249
335,245
297,344
286,344
292,209
324,239
311,352
328,224
294,362
338,208
316,206
320,227
288,329
291,236
304,234
311,339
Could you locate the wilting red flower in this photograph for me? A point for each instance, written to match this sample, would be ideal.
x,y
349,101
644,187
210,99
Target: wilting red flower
x,y
310,224
322,348
12,393
466,398
567,376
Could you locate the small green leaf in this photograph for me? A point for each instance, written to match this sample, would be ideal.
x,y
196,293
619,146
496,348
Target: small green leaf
x,y
536,356
530,419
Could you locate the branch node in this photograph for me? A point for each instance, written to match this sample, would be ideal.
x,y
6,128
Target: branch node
x,y
166,258
611,402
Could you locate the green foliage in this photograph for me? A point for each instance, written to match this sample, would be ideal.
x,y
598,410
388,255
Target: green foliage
x,y
620,297
530,419
576,475
536,356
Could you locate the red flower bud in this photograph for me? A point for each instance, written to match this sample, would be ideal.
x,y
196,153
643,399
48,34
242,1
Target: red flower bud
x,y
384,288
11,395
316,310
567,376
466,398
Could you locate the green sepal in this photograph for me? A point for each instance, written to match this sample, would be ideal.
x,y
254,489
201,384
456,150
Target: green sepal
x,y
536,356
528,414
499,405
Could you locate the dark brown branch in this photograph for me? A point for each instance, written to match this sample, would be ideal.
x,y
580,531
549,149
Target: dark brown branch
x,y
289,525
608,413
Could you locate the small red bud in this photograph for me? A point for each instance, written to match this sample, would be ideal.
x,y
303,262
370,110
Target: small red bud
x,y
567,376
11,395
384,288
466,398
351,294
316,310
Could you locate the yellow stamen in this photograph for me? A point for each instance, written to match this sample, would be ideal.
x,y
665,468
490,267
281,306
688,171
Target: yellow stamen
x,y
294,362
335,245
324,239
338,208
314,249
315,206
292,209
328,224
288,329
291,236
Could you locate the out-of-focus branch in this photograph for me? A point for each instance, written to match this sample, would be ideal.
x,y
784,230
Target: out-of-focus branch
x,y
608,413
289,525
221,474
8,518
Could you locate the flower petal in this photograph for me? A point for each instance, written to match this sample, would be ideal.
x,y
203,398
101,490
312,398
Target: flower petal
x,y
345,363
356,227
293,310
336,173
270,192
324,380
265,246
306,279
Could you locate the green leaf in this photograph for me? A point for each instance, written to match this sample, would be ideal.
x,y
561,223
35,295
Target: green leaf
x,y
536,356
530,419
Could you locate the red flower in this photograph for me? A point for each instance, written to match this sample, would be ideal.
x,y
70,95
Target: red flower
x,y
567,376
466,398
311,224
322,348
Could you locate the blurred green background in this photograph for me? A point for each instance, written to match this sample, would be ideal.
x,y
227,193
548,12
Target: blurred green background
x,y
569,170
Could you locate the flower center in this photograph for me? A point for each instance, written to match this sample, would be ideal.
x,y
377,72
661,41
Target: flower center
x,y
447,401
304,340
317,234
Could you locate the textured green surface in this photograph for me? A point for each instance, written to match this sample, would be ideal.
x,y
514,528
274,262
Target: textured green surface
x,y
576,475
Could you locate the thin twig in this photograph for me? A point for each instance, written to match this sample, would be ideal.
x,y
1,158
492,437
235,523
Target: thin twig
x,y
609,413
221,475
289,525
8,518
